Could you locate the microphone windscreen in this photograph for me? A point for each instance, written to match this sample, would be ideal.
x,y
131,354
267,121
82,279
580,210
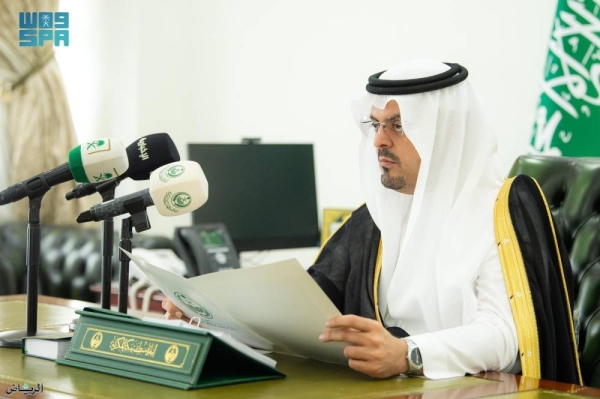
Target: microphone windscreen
x,y
178,188
148,153
98,160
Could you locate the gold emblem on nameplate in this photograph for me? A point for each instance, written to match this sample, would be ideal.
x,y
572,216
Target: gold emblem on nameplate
x,y
171,354
96,340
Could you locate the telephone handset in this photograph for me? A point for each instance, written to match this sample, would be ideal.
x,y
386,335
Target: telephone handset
x,y
206,248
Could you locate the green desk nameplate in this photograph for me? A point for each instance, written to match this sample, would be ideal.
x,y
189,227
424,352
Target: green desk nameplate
x,y
123,345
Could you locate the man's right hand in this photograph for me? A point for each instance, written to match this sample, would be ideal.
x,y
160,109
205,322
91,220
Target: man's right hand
x,y
172,311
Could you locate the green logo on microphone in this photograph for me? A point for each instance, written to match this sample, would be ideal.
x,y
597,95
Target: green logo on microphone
x,y
92,145
103,177
177,201
181,200
171,172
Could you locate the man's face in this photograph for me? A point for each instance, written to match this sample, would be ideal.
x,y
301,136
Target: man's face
x,y
398,158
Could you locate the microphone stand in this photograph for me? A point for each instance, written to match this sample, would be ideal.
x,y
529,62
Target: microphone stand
x,y
139,220
107,191
35,189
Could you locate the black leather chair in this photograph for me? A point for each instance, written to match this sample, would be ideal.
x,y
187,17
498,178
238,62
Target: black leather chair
x,y
572,190
70,259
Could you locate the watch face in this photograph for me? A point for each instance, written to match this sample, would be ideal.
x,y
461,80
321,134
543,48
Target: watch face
x,y
415,357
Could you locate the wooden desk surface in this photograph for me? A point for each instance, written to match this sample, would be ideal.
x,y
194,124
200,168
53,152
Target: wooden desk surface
x,y
305,378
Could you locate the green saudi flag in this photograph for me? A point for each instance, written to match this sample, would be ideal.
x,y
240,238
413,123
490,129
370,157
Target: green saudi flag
x,y
567,120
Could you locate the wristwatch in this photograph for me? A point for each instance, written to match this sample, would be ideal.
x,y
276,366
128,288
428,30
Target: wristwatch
x,y
413,356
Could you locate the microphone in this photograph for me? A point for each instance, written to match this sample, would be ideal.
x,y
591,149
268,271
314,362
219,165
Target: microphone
x,y
144,155
175,189
94,161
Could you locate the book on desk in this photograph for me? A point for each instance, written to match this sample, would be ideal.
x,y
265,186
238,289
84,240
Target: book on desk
x,y
49,346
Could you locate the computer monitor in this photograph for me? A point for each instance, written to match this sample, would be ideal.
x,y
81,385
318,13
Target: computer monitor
x,y
265,194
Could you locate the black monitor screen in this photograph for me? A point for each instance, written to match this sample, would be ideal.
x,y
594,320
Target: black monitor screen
x,y
265,194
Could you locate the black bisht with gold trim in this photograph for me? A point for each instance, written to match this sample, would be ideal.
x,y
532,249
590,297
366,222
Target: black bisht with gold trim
x,y
539,281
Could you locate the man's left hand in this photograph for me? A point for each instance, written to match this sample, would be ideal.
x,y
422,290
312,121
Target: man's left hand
x,y
371,348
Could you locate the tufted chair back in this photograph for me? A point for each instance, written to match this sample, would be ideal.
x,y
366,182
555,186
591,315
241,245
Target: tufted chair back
x,y
70,260
572,190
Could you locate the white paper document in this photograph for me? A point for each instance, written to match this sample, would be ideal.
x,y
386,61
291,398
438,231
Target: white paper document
x,y
272,307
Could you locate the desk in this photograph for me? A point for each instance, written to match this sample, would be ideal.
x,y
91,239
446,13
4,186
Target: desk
x,y
305,378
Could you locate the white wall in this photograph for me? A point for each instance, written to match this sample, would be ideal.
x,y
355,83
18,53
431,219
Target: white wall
x,y
217,71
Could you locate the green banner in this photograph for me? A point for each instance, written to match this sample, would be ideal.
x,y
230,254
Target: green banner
x,y
567,120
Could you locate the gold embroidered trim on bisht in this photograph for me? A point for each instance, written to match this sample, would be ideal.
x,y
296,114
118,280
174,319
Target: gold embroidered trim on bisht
x,y
378,263
517,285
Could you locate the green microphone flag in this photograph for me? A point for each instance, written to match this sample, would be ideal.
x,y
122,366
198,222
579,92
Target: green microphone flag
x,y
567,120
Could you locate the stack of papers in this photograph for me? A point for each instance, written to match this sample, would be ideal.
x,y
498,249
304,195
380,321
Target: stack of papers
x,y
274,307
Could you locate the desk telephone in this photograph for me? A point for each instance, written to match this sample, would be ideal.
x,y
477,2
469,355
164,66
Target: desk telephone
x,y
206,248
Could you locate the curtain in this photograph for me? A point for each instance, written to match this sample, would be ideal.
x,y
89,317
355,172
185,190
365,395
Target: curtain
x,y
40,130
